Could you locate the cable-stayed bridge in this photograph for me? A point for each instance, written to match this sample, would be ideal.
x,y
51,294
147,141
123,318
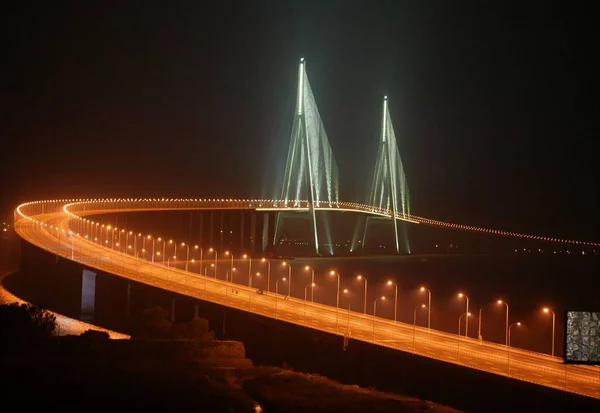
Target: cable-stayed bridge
x,y
75,230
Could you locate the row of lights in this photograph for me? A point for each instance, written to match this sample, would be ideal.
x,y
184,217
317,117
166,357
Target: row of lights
x,y
312,284
356,206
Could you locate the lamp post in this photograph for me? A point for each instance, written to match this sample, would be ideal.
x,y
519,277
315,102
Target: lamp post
x,y
361,277
231,255
249,269
461,295
337,309
289,277
508,345
312,280
159,239
277,285
460,320
174,246
216,257
382,298
506,331
337,303
127,240
458,335
206,270
548,310
415,322
428,307
196,247
168,259
268,273
187,254
390,282
312,287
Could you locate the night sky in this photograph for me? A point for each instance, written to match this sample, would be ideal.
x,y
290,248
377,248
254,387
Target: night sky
x,y
495,107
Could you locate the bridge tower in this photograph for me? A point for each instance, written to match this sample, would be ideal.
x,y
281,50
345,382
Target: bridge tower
x,y
390,189
311,172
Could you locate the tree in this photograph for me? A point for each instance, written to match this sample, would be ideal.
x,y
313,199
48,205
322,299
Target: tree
x,y
25,321
153,323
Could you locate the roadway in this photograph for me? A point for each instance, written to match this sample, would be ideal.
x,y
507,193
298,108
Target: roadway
x,y
516,363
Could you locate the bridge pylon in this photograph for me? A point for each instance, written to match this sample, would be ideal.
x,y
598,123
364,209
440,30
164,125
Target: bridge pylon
x,y
390,188
311,172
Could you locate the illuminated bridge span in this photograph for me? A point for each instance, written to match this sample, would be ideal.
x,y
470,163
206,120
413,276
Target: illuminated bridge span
x,y
78,208
62,228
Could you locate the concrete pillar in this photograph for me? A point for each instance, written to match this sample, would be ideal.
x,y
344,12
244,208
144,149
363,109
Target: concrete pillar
x,y
88,295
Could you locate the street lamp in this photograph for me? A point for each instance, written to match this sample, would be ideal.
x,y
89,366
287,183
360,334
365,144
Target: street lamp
x,y
187,254
332,272
361,277
206,271
461,295
233,270
509,327
216,257
428,307
311,285
289,277
415,322
508,345
337,309
390,282
306,268
196,247
257,274
231,255
174,258
460,320
249,269
506,332
268,273
164,247
277,285
548,310
312,288
382,298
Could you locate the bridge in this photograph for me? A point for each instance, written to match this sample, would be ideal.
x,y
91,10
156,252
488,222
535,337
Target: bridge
x,y
73,229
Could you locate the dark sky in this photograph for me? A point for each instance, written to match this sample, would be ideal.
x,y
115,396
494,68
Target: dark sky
x,y
495,107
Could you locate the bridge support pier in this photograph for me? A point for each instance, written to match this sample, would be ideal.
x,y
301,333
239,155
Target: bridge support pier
x,y
88,295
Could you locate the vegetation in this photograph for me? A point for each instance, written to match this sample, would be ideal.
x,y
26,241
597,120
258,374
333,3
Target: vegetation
x,y
20,322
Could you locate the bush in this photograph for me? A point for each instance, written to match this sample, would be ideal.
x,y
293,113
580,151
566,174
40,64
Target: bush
x,y
25,321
